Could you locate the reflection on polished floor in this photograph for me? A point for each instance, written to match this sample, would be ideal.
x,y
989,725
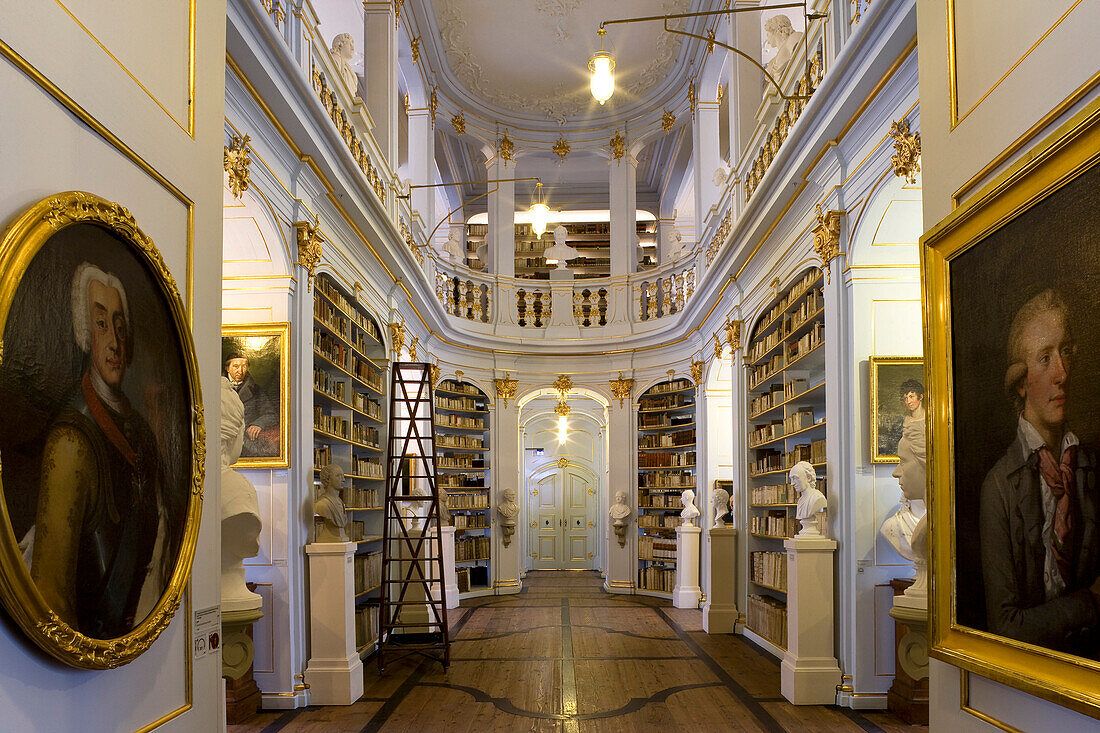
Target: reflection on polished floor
x,y
565,656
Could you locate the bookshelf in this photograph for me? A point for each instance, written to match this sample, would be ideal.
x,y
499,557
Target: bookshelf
x,y
348,426
666,466
463,470
591,239
785,363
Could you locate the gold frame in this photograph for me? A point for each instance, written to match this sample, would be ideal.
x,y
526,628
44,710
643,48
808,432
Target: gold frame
x,y
19,245
269,329
873,365
1064,679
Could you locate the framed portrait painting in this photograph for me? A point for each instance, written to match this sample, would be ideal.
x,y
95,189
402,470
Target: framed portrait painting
x,y
103,446
1012,338
897,392
256,361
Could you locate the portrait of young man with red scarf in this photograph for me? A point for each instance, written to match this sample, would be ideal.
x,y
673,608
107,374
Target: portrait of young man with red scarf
x,y
1039,513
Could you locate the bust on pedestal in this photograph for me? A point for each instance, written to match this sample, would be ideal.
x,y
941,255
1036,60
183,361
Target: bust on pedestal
x,y
809,673
687,592
620,517
720,609
330,507
241,526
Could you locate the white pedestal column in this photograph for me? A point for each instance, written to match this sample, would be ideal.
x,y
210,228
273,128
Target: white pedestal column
x,y
334,672
422,167
450,580
687,592
810,672
622,561
501,252
720,609
561,304
380,82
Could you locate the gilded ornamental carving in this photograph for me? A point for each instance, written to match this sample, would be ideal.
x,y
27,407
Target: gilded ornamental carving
x,y
506,388
906,158
309,247
827,236
621,388
236,160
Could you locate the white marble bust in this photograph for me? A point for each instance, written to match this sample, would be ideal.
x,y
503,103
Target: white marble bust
x,y
720,501
899,527
784,39
690,511
330,507
342,52
561,251
508,511
674,244
811,502
239,508
620,516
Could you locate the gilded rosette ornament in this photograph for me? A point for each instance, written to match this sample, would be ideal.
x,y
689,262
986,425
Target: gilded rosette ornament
x,y
563,462
906,157
561,149
506,388
458,122
309,247
397,337
236,160
827,236
621,388
618,146
697,372
506,148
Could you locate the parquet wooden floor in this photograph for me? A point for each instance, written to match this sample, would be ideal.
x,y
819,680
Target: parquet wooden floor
x,y
565,656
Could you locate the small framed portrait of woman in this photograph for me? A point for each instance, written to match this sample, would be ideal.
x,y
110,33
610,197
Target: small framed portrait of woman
x,y
897,394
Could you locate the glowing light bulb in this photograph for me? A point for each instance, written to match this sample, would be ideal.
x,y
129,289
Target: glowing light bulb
x,y
602,67
562,429
540,215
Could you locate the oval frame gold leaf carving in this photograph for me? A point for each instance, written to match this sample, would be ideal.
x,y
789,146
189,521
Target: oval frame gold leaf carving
x,y
19,245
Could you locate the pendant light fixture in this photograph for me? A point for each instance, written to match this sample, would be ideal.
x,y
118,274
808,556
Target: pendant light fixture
x,y
540,213
602,67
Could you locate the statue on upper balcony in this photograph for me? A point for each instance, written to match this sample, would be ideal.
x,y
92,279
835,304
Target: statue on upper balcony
x,y
674,245
342,52
784,39
454,248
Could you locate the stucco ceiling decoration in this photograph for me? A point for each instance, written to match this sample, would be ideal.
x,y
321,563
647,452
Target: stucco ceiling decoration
x,y
530,58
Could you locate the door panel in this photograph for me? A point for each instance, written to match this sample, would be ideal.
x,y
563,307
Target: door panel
x,y
562,503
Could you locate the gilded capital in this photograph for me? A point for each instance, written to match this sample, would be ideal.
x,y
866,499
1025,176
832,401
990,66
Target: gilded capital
x,y
397,337
506,148
506,388
309,247
733,335
618,146
827,236
621,388
697,372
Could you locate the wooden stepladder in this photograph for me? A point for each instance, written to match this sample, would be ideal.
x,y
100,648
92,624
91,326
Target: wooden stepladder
x,y
413,614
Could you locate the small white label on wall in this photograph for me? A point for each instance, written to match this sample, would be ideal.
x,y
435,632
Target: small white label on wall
x,y
208,631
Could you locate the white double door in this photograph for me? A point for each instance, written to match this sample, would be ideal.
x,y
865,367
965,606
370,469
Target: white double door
x,y
561,507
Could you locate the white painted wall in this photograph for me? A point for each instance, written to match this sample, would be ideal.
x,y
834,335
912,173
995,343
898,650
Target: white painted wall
x,y
47,150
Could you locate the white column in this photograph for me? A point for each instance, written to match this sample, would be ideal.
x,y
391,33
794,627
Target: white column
x,y
502,217
334,672
380,79
624,207
746,80
810,673
720,609
622,562
707,156
450,579
422,167
687,592
506,467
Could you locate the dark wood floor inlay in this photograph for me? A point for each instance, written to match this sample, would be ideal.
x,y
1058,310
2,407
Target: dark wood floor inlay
x,y
565,656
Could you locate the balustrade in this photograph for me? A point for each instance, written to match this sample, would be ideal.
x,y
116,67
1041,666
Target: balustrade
x,y
590,307
532,308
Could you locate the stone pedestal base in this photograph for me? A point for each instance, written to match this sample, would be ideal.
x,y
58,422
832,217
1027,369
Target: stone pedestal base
x,y
720,610
810,672
334,672
242,696
908,696
450,579
687,592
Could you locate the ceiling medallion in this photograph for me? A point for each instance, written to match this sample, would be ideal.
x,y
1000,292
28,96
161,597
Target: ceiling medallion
x,y
506,148
458,122
561,149
906,158
414,44
667,121
236,161
618,146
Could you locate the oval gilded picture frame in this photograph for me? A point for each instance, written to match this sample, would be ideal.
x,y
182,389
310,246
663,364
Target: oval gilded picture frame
x,y
181,421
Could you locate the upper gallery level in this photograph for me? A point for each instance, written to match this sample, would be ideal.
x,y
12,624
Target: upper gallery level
x,y
447,135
